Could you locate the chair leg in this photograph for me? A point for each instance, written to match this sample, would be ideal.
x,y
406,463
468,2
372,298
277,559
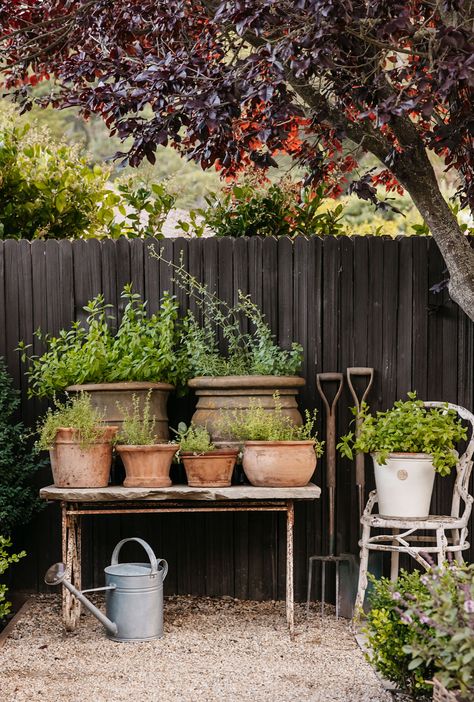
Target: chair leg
x,y
456,541
364,563
394,565
310,582
441,543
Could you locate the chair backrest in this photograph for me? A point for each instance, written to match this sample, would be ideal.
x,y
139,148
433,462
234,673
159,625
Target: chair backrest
x,y
464,464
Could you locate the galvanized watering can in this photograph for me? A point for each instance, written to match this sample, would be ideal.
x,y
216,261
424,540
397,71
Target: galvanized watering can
x,y
134,595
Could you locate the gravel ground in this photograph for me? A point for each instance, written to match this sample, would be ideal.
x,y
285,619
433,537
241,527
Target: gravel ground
x,y
214,650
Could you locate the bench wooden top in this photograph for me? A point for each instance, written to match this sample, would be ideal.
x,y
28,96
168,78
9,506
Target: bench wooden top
x,y
118,493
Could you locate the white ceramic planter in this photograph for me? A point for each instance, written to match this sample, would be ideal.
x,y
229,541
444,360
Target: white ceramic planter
x,y
404,485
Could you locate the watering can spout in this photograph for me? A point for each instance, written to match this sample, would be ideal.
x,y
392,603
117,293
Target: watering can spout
x,y
56,575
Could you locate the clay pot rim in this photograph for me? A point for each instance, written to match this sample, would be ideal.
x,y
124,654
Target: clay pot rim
x,y
218,453
405,454
280,443
247,381
126,385
147,448
109,430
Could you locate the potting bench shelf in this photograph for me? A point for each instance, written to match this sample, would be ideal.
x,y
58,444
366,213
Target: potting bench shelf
x,y
79,502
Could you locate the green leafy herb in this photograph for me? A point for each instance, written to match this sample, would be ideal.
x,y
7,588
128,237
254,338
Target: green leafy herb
x,y
78,414
139,426
194,439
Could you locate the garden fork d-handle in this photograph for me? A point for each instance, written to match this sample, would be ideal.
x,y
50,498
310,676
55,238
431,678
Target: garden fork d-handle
x,y
360,459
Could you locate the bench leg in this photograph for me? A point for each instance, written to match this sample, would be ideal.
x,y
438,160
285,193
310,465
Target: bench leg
x,y
290,607
71,554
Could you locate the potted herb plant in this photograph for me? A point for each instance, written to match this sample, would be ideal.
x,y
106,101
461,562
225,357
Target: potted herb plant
x,y
205,465
80,446
276,452
253,365
408,444
147,462
143,354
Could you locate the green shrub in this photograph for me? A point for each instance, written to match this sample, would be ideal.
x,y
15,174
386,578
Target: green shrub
x,y
388,634
144,348
6,559
408,427
141,208
194,439
18,461
139,426
77,413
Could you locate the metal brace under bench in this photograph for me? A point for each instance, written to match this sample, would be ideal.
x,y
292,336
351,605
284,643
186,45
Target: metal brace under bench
x,y
79,502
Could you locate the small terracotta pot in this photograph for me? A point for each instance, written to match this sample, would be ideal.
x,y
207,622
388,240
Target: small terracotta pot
x,y
147,466
77,467
279,463
212,469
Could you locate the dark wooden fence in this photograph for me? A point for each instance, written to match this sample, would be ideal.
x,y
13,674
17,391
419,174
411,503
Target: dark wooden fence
x,y
349,302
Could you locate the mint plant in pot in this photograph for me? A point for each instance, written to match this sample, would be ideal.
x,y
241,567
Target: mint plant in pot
x,y
147,461
409,444
143,354
80,446
276,452
205,465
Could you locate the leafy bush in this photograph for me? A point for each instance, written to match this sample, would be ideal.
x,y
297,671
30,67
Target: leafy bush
x,y
6,560
77,413
194,439
442,623
141,208
18,461
139,426
255,353
408,427
388,634
143,348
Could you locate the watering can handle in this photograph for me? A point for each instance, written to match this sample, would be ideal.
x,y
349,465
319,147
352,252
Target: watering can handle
x,y
148,549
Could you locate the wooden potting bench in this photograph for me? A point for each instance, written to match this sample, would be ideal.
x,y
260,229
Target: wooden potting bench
x,y
79,502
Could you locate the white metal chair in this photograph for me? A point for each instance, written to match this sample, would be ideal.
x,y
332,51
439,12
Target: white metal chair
x,y
401,536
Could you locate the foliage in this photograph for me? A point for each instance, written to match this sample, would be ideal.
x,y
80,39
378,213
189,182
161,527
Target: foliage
x,y
76,413
141,208
194,439
258,424
407,427
139,426
253,353
6,559
448,611
144,348
18,461
388,634
249,208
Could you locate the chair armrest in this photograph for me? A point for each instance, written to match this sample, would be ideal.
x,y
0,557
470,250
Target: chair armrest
x,y
373,499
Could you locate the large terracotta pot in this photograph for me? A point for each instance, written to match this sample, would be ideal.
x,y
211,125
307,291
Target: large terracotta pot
x,y
212,469
404,485
147,466
77,467
279,463
105,397
218,397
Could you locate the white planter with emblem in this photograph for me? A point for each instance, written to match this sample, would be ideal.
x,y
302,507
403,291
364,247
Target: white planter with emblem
x,y
404,485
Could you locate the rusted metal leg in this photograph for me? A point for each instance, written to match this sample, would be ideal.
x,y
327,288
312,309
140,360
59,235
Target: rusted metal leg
x,y
290,607
71,554
395,558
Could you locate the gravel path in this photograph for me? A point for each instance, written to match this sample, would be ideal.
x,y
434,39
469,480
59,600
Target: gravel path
x,y
214,650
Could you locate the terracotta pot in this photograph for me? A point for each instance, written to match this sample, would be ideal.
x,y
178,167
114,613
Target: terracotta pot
x,y
218,397
147,466
77,467
212,469
279,463
105,397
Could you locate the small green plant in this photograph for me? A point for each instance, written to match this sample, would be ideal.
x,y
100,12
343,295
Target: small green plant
x,y
144,348
258,424
388,634
194,439
78,414
139,426
142,208
408,427
6,559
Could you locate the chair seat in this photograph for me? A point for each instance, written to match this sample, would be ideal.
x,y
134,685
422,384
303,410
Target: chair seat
x,y
433,521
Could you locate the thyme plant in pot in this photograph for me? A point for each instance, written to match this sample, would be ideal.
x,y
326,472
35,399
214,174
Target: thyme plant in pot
x,y
80,446
147,462
143,354
244,366
409,444
205,465
276,452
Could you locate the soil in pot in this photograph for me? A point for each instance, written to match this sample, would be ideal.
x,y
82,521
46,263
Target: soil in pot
x,y
279,463
404,485
81,467
212,469
147,466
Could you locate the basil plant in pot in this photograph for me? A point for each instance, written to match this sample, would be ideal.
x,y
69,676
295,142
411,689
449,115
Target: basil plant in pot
x,y
147,460
276,452
228,372
143,354
205,465
79,445
409,444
